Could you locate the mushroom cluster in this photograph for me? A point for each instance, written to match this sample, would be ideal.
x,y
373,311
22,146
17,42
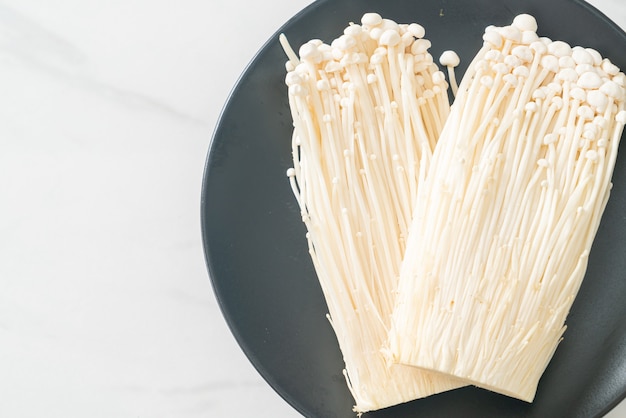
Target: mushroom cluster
x,y
367,109
387,61
509,209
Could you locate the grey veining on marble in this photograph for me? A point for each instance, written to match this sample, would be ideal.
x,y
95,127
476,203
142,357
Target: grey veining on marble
x,y
106,112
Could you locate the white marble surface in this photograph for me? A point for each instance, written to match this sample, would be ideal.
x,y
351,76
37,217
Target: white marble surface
x,y
106,111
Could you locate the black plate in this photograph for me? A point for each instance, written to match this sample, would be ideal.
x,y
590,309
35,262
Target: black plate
x,y
257,255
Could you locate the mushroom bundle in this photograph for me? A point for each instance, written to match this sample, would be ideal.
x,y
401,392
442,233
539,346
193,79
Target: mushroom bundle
x,y
367,111
507,214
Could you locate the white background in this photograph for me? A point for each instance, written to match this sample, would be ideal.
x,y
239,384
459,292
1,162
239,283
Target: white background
x,y
106,113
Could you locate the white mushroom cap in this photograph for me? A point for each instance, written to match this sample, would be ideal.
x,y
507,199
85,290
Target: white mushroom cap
x,y
416,30
371,19
560,49
420,46
493,38
390,37
525,22
449,59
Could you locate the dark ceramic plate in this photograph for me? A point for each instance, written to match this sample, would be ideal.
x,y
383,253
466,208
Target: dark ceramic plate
x,y
257,255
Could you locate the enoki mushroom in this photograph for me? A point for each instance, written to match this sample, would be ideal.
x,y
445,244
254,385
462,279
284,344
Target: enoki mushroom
x,y
367,112
508,211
